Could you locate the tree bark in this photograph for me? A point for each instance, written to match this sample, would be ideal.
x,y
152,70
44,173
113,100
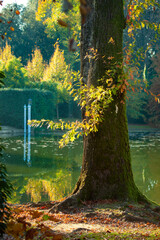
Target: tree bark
x,y
106,169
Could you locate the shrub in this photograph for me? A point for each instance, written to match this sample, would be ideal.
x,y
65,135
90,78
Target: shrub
x,y
12,105
5,193
5,186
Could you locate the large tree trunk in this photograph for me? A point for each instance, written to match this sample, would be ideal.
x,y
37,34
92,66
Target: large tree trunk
x,y
106,169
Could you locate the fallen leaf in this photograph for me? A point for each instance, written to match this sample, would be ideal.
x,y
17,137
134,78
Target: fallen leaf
x,y
31,233
52,218
35,214
15,229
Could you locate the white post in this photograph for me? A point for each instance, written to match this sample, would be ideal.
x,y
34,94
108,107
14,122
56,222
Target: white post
x,y
29,150
29,133
25,109
29,117
25,119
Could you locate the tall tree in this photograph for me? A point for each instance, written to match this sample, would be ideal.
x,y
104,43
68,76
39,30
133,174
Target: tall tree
x,y
106,169
27,30
54,75
35,67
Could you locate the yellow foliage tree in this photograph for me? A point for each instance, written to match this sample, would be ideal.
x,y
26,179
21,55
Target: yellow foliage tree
x,y
15,73
35,67
6,54
55,73
56,67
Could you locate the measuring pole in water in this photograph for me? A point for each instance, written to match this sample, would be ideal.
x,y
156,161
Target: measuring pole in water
x,y
29,132
25,128
29,114
25,118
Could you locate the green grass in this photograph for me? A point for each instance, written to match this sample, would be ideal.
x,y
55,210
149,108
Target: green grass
x,y
104,236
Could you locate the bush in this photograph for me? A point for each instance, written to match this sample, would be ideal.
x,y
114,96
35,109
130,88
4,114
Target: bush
x,y
5,193
5,186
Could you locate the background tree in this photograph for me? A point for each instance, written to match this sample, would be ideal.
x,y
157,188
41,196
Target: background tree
x,y
63,24
137,106
140,40
137,99
6,54
35,67
54,75
28,31
15,73
13,25
154,103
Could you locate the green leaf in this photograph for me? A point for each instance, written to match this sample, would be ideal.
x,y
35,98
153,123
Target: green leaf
x,y
45,217
2,74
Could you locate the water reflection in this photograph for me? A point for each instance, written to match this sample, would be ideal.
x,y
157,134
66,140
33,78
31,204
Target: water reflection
x,y
27,147
25,150
53,172
145,151
29,150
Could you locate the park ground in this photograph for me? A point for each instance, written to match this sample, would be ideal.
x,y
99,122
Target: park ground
x,y
93,220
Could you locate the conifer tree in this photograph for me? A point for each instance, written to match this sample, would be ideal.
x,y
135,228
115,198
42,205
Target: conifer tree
x,y
35,66
54,75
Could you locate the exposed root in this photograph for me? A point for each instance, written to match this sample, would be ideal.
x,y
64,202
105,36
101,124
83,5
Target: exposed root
x,y
76,200
67,205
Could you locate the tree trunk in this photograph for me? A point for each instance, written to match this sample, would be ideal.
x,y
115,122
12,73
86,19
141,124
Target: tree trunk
x,y
106,168
57,110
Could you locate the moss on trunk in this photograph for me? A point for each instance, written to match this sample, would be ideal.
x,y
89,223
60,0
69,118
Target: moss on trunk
x,y
106,169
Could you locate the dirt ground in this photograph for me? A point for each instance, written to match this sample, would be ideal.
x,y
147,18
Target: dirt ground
x,y
93,220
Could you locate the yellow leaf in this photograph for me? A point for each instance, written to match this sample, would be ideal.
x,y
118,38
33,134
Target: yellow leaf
x,y
130,30
142,24
111,40
87,113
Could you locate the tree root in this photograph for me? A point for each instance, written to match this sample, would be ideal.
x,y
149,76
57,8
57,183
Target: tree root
x,y
67,205
75,200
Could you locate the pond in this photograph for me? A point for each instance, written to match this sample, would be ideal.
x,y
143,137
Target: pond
x,y
41,171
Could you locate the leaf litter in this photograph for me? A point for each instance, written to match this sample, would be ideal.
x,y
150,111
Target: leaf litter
x,y
93,220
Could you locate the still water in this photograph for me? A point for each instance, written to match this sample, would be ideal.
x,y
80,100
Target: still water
x,y
41,171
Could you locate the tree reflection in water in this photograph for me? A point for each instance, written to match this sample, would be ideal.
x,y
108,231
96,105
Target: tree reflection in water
x,y
54,172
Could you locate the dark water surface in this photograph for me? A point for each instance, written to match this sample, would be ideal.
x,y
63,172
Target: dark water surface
x,y
44,172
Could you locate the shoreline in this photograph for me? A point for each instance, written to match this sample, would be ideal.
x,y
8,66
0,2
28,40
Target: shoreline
x,y
8,131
